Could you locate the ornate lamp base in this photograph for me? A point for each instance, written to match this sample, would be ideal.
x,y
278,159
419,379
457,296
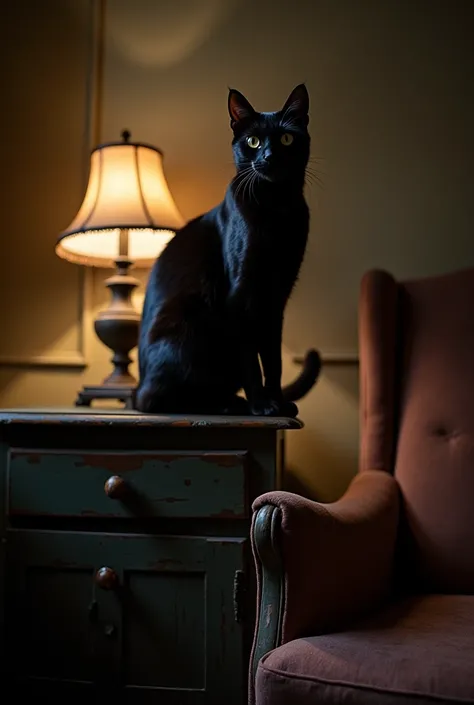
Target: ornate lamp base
x,y
117,327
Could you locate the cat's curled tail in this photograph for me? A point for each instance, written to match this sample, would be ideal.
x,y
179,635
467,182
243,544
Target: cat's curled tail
x,y
306,379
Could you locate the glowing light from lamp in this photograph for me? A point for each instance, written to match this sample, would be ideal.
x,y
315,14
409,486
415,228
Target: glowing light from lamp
x,y
127,192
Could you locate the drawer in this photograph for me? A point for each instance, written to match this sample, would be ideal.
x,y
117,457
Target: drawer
x,y
127,484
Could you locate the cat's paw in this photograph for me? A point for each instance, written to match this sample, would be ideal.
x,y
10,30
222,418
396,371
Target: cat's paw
x,y
266,406
236,407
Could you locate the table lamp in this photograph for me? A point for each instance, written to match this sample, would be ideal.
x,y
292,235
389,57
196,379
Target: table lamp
x,y
126,218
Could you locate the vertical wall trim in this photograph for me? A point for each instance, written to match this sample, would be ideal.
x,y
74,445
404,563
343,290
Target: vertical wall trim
x,y
97,73
91,135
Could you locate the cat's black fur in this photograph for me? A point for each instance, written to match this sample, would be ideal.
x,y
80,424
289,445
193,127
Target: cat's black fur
x,y
216,296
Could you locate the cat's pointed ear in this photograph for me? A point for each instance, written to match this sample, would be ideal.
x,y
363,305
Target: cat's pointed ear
x,y
239,107
297,105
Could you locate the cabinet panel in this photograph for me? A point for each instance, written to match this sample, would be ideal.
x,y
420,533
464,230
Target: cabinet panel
x,y
54,602
165,632
182,643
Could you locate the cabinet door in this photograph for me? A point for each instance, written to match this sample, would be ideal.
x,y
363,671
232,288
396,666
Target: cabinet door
x,y
149,617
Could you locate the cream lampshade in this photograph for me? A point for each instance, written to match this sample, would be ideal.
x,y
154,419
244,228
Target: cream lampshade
x,y
127,190
127,217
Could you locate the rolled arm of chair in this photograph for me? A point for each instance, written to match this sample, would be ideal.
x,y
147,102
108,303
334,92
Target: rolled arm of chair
x,y
321,565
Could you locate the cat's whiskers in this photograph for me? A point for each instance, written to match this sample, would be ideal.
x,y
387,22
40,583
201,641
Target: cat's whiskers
x,y
242,179
316,161
241,174
247,187
252,182
259,174
312,178
314,174
252,194
238,188
246,181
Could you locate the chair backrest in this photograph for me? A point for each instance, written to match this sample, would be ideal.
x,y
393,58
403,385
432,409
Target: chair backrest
x,y
416,342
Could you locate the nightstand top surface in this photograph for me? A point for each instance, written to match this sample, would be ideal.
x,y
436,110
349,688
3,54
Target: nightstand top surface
x,y
118,417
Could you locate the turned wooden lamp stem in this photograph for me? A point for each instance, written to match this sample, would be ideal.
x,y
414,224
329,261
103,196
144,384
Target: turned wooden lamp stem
x,y
117,327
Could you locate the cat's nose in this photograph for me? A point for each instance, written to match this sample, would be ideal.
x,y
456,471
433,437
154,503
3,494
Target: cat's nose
x,y
268,155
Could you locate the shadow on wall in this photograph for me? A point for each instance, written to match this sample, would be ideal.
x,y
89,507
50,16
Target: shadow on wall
x,y
161,35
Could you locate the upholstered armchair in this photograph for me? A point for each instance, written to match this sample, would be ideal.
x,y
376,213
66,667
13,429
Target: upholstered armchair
x,y
370,600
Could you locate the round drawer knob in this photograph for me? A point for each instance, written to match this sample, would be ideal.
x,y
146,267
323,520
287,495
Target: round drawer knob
x,y
115,487
106,578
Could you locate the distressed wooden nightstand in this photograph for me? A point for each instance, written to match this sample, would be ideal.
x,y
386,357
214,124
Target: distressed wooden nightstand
x,y
125,559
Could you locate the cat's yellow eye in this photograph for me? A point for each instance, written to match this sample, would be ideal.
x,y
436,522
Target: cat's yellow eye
x,y
253,142
286,139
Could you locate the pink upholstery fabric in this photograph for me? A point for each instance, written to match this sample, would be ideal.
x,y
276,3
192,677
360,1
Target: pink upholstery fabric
x,y
417,652
435,453
417,444
378,317
338,557
417,415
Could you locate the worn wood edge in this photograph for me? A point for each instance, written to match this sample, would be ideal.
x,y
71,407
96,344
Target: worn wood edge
x,y
351,357
266,531
119,417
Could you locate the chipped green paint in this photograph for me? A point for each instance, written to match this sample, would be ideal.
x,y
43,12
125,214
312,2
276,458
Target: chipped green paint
x,y
174,597
180,485
177,626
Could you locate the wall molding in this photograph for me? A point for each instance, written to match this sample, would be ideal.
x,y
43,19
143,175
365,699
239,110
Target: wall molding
x,y
64,359
61,360
349,357
78,359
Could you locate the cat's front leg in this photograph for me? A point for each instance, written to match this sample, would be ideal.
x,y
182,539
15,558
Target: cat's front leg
x,y
270,340
260,402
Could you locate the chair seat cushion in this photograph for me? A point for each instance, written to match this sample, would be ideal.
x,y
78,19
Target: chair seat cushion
x,y
419,650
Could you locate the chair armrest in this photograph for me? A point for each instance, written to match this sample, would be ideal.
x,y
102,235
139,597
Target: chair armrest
x,y
321,565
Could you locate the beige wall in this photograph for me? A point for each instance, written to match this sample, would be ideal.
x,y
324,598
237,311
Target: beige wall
x,y
391,117
45,53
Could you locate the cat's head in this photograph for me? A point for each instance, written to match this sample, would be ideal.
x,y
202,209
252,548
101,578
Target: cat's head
x,y
275,146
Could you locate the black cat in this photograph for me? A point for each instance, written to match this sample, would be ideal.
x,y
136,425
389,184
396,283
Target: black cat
x,y
216,296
